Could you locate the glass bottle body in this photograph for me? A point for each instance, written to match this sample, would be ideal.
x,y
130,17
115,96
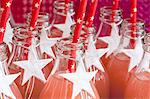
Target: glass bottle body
x,y
138,88
139,81
21,44
101,80
63,49
118,64
43,28
4,55
107,18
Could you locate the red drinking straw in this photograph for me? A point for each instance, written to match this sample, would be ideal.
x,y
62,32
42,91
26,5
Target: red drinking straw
x,y
5,8
78,28
133,21
90,17
91,13
114,8
35,12
80,18
115,4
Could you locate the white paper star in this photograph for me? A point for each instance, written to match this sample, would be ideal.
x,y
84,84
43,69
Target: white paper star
x,y
80,79
8,4
46,43
66,27
93,55
33,66
8,35
113,40
135,54
5,82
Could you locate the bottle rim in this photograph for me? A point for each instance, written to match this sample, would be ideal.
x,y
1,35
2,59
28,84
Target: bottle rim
x,y
108,15
65,46
60,7
109,10
22,35
42,17
127,28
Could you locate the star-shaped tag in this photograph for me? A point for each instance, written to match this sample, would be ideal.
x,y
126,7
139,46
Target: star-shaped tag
x,y
93,55
66,27
80,79
46,43
135,54
8,35
113,40
5,82
33,66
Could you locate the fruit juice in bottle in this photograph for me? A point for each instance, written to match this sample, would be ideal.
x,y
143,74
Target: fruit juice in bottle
x,y
20,51
58,87
105,28
119,62
139,82
4,55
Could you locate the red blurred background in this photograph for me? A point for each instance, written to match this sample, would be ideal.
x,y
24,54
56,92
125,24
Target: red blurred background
x,y
21,7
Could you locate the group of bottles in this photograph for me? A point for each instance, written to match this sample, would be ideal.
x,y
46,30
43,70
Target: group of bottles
x,y
116,82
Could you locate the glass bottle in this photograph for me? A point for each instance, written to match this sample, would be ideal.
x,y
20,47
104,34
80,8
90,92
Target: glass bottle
x,y
55,82
119,62
60,11
21,44
4,55
139,82
107,18
101,80
43,24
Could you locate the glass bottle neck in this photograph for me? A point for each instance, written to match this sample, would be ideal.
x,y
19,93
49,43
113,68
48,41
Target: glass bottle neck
x,y
43,20
60,8
127,31
107,15
65,46
85,32
22,36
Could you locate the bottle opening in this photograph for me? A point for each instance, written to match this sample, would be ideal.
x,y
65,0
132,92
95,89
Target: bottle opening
x,y
107,14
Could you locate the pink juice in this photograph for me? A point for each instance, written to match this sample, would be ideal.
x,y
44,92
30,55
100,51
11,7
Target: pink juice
x,y
118,74
138,86
60,88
